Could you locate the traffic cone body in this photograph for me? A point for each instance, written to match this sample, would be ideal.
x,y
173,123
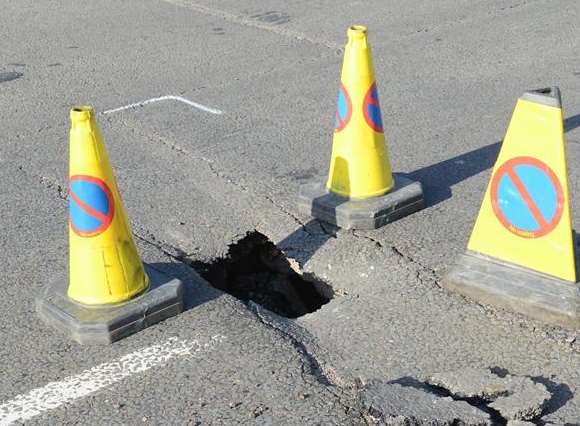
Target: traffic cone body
x,y
525,215
359,166
104,265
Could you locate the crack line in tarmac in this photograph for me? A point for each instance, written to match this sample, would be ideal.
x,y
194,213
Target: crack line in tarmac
x,y
287,213
178,148
325,376
48,183
410,260
316,369
303,226
167,249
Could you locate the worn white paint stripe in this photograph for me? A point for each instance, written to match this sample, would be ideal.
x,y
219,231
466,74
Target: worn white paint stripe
x,y
56,394
166,98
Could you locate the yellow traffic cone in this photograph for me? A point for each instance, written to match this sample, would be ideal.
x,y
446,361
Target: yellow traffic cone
x,y
100,239
521,253
110,295
361,191
359,141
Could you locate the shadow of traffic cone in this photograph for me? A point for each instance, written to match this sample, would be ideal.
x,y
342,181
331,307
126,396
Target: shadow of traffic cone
x,y
110,293
521,254
361,192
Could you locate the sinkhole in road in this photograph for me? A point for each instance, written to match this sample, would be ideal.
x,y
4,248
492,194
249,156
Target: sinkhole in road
x,y
255,269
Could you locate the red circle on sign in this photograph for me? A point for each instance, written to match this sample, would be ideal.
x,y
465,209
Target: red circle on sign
x,y
507,169
372,109
105,219
343,102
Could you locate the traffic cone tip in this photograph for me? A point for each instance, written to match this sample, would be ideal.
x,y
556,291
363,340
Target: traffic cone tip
x,y
357,31
549,96
81,113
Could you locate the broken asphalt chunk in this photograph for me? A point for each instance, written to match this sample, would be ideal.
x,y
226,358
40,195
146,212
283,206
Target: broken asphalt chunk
x,y
513,397
395,405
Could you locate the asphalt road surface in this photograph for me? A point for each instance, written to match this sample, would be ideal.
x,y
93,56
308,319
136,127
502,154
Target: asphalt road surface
x,y
257,84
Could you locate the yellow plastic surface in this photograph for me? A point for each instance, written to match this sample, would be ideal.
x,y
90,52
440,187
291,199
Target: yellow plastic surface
x,y
104,265
535,135
359,166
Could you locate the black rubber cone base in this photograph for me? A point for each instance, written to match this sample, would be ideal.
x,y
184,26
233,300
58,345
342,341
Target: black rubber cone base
x,y
538,296
372,213
90,325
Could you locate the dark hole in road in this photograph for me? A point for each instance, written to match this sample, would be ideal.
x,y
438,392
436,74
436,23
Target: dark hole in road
x,y
255,269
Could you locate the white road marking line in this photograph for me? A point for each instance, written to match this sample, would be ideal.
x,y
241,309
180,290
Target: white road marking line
x,y
56,394
165,98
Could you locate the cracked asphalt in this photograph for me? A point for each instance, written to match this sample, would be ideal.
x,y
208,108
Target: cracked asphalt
x,y
193,183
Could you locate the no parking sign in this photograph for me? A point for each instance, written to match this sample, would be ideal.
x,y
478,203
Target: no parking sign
x,y
343,110
527,197
91,205
372,109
